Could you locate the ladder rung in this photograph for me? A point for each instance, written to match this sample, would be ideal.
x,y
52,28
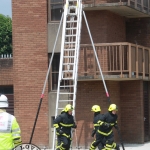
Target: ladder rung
x,y
72,0
71,21
71,78
66,93
72,7
69,42
69,56
70,35
69,49
72,14
67,71
68,64
65,100
65,86
71,28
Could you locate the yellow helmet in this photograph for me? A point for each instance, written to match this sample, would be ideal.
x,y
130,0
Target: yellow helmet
x,y
68,107
112,107
95,108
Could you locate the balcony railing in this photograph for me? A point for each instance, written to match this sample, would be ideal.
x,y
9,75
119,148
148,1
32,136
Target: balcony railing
x,y
3,56
141,5
117,60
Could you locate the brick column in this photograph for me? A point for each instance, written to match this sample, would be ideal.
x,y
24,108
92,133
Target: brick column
x,y
29,21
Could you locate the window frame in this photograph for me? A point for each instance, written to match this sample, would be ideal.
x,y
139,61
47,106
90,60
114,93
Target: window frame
x,y
49,11
51,75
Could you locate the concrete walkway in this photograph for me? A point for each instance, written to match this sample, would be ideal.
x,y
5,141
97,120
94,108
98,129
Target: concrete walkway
x,y
145,146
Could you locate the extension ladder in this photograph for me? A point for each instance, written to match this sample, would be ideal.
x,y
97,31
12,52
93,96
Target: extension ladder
x,y
69,57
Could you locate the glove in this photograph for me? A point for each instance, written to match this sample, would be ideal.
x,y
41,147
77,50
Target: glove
x,y
116,126
74,126
60,131
93,133
107,125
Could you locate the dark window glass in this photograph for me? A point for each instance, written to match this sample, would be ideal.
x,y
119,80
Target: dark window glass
x,y
55,70
55,74
55,63
56,7
54,81
6,89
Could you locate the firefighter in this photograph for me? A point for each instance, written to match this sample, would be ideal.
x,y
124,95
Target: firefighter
x,y
63,124
9,129
97,116
107,122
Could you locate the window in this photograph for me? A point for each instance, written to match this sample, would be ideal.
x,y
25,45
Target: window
x,y
6,89
55,74
55,70
56,9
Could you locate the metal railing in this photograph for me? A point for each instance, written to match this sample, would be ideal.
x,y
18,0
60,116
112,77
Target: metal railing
x,y
2,56
142,5
123,59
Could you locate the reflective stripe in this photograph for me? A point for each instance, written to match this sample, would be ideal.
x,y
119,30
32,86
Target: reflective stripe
x,y
104,132
60,146
9,123
96,125
92,147
64,134
5,131
15,130
114,145
100,122
108,145
66,125
16,135
112,124
56,125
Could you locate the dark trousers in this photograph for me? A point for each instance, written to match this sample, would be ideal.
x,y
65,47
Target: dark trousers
x,y
99,141
63,143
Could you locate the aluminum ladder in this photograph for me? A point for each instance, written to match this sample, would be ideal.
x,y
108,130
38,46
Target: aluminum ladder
x,y
69,57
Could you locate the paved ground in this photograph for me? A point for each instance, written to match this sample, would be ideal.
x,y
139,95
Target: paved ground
x,y
145,146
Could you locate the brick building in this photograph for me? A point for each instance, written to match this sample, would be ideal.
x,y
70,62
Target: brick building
x,y
121,33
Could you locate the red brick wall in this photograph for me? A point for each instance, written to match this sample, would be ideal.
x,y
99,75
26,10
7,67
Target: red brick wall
x,y
138,31
132,118
6,71
29,25
104,26
90,93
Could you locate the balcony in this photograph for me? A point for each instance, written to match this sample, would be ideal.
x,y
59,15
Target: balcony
x,y
126,8
119,61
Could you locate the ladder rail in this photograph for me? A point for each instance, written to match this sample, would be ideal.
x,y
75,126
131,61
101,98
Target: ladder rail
x,y
69,56
77,56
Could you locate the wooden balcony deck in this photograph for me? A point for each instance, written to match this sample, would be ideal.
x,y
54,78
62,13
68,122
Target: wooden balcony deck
x,y
126,8
119,61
